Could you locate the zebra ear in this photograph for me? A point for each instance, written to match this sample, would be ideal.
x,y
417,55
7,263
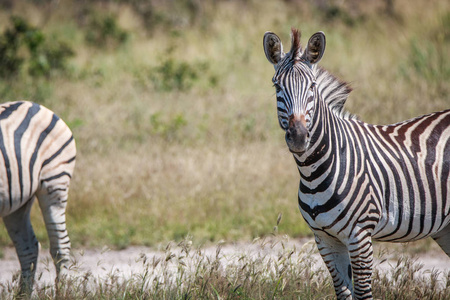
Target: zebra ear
x,y
315,48
273,48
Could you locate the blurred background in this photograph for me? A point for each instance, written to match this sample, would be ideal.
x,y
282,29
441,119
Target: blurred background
x,y
173,110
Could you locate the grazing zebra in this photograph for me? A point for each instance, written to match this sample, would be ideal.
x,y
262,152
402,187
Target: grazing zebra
x,y
358,181
37,160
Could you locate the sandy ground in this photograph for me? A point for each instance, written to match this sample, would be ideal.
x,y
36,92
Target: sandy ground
x,y
101,263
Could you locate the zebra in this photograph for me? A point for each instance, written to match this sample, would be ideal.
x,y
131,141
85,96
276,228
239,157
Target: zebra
x,y
358,182
37,158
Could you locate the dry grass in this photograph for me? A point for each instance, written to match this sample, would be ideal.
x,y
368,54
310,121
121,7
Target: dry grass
x,y
270,268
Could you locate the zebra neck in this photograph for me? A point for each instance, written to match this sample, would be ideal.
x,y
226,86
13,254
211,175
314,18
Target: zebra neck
x,y
326,149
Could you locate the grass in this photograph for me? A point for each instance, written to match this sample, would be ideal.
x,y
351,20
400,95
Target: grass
x,y
176,125
270,268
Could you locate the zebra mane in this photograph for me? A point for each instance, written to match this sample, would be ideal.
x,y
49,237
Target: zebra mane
x,y
296,48
333,91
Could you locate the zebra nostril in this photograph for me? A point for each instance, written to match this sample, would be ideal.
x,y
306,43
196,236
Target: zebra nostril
x,y
288,135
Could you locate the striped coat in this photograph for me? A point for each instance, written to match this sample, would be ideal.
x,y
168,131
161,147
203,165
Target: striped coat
x,y
37,160
358,181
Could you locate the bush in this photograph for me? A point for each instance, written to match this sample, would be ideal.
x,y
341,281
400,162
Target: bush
x,y
169,129
26,47
10,41
103,31
173,74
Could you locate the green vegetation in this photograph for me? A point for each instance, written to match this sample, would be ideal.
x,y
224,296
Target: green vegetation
x,y
103,31
44,56
173,110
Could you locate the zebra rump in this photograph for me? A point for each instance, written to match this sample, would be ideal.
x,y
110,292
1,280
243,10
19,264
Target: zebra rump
x,y
37,161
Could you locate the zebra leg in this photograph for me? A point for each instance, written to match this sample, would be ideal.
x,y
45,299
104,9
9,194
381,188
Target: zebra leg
x,y
53,203
21,232
335,256
443,239
361,257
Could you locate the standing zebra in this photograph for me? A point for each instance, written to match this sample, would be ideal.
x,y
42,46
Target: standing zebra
x,y
358,181
37,159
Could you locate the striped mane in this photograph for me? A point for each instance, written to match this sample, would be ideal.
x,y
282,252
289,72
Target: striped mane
x,y
333,91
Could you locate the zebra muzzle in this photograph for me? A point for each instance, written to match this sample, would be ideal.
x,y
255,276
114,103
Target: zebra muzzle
x,y
297,135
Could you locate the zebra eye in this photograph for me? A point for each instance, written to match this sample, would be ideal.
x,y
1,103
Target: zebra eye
x,y
277,87
313,85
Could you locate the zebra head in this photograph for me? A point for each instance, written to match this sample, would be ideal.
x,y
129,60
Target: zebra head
x,y
295,85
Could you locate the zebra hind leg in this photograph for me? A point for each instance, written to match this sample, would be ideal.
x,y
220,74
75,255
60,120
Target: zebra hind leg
x,y
443,239
53,201
21,232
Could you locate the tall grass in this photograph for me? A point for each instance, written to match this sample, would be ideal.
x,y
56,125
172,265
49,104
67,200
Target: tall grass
x,y
174,116
269,268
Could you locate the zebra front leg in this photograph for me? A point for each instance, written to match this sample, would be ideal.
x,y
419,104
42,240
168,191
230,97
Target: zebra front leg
x,y
53,202
335,256
361,257
21,232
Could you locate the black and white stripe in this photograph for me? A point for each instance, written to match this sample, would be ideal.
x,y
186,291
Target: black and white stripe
x,y
37,158
358,182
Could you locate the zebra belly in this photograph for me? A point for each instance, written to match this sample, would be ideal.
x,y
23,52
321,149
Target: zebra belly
x,y
9,205
14,192
15,189
404,225
391,233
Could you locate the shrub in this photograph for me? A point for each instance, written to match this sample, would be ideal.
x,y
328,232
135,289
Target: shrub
x,y
169,129
26,47
173,74
10,41
103,31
